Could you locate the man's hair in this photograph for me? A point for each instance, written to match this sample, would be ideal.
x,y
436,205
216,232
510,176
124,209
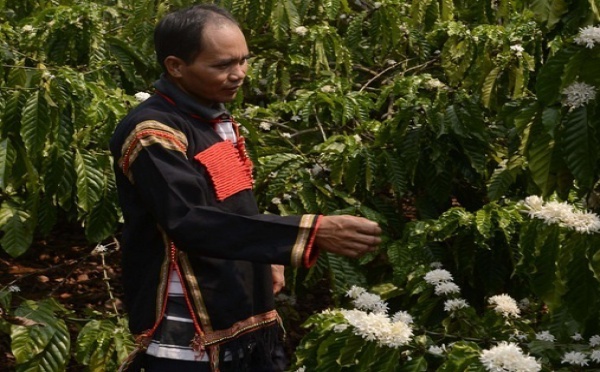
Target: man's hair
x,y
180,33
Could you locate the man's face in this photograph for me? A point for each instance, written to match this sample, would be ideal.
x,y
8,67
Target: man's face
x,y
219,70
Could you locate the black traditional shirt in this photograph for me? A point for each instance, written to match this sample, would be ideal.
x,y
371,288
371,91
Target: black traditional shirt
x,y
187,202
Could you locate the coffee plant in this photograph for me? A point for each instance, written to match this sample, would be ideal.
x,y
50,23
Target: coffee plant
x,y
467,129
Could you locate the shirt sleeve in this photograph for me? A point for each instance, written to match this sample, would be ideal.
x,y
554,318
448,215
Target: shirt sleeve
x,y
178,196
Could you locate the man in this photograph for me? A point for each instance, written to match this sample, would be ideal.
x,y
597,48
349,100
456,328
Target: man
x,y
200,263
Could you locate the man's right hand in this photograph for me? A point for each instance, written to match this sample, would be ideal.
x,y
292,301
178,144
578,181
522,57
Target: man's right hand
x,y
348,236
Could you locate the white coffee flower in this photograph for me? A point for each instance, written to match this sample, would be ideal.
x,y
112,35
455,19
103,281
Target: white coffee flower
x,y
301,30
524,304
577,337
316,170
99,249
287,197
545,336
588,36
437,350
141,96
355,291
534,203
436,265
575,358
27,28
582,222
370,302
454,304
595,356
378,327
594,340
578,94
508,357
301,369
563,214
296,118
505,305
377,5
276,201
403,316
266,126
14,288
438,276
517,49
446,288
286,135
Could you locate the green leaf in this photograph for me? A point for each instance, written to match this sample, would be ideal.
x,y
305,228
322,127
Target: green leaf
x,y
16,225
103,344
349,351
549,11
579,146
385,359
43,347
545,273
35,125
4,162
581,294
549,81
328,352
539,157
344,274
462,355
102,220
89,180
418,364
488,89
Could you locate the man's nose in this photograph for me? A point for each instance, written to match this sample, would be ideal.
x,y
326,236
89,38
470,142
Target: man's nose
x,y
238,72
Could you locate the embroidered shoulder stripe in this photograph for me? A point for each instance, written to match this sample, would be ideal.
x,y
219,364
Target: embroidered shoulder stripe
x,y
227,172
148,133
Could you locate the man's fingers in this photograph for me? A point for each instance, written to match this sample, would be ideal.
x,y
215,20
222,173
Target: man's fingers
x,y
368,227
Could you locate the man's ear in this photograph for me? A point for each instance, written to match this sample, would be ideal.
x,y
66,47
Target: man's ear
x,y
174,66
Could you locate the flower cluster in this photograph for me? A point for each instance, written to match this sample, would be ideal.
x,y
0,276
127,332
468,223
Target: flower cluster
x,y
517,49
505,305
444,285
578,94
545,336
366,301
141,96
455,304
588,36
508,357
437,276
266,126
370,320
378,327
575,358
301,30
563,214
14,288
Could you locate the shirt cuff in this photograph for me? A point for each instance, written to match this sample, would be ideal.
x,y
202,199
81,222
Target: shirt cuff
x,y
304,254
